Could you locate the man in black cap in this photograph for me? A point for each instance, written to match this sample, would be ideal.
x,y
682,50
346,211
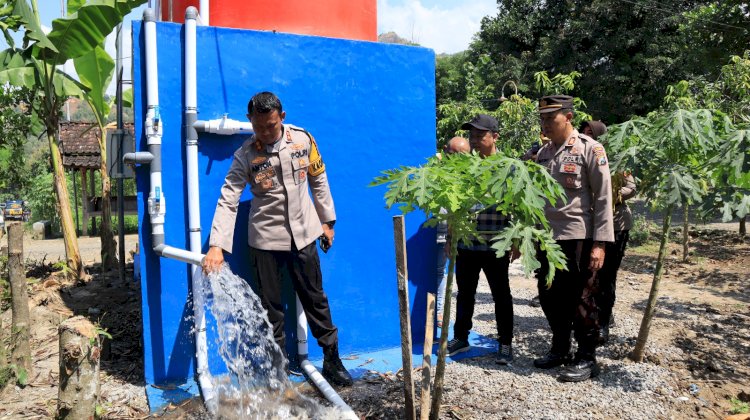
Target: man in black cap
x,y
582,226
478,255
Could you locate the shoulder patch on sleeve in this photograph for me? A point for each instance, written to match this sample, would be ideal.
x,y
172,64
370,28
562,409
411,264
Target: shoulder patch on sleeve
x,y
317,166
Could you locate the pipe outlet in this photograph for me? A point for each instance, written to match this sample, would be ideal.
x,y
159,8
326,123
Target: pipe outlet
x,y
224,126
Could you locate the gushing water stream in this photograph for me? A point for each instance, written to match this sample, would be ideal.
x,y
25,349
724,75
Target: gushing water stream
x,y
257,386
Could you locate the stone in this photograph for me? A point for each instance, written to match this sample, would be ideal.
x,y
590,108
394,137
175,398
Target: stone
x,y
41,230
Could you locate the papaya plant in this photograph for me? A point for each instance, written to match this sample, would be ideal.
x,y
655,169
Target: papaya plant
x,y
457,183
668,153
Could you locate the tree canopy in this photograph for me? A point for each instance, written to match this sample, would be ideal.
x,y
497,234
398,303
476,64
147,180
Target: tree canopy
x,y
627,52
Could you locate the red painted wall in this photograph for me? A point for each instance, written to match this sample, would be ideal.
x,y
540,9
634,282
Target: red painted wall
x,y
349,19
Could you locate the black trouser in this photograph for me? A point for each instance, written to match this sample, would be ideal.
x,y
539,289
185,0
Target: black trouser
x,y
468,264
563,302
605,298
304,269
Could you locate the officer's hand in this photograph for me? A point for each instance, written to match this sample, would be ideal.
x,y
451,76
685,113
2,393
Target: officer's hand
x,y
213,260
328,233
597,257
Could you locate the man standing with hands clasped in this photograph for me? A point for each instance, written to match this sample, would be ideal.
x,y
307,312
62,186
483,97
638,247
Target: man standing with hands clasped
x,y
282,163
581,226
478,255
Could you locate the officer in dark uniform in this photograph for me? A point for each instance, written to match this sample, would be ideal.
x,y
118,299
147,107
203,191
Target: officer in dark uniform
x,y
582,226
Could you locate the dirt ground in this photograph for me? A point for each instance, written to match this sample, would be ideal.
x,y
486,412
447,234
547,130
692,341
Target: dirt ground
x,y
704,309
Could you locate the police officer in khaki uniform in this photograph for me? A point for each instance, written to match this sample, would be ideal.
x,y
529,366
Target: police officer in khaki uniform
x,y
280,161
581,226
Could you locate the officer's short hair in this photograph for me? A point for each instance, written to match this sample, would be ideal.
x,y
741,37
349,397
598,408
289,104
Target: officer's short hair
x,y
263,103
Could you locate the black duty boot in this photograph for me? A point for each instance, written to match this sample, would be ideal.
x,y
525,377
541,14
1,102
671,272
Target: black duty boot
x,y
579,371
333,370
552,359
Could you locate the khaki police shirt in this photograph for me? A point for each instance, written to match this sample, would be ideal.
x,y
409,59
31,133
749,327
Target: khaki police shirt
x,y
580,165
281,210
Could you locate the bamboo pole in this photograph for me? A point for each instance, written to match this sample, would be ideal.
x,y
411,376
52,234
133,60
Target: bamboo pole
x,y
424,411
640,345
399,239
21,351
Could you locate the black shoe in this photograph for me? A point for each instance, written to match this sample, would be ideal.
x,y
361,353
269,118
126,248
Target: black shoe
x,y
333,370
504,354
551,360
579,371
457,345
603,335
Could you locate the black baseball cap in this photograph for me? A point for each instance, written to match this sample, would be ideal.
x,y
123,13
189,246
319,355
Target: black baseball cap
x,y
554,103
481,122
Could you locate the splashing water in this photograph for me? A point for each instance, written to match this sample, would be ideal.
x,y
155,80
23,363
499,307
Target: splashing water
x,y
257,385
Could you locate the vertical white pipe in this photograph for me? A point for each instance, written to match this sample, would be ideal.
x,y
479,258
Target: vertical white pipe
x,y
205,11
193,192
156,201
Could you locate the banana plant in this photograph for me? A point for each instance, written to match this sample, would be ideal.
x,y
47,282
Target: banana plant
x,y
457,183
34,65
95,70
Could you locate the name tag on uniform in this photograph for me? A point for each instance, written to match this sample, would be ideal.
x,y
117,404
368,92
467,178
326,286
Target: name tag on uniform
x,y
570,168
571,159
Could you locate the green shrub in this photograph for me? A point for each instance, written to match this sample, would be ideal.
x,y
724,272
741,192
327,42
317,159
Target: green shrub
x,y
739,407
641,231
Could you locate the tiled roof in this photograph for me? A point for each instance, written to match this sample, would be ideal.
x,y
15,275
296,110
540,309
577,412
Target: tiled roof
x,y
79,144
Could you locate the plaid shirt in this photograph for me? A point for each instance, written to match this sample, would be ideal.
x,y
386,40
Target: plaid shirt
x,y
490,222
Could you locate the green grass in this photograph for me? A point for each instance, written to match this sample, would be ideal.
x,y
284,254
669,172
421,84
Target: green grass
x,y
739,407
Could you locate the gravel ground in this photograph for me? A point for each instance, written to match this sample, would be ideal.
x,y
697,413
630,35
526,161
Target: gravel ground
x,y
478,388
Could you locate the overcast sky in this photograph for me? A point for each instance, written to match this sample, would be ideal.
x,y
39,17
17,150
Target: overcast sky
x,y
446,26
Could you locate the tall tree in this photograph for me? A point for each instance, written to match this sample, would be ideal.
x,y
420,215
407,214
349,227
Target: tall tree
x,y
627,51
15,126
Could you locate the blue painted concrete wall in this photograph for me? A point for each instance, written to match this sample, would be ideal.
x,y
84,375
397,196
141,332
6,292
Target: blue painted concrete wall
x,y
370,106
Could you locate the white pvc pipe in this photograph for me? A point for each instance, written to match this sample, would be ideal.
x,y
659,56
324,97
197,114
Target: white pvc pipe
x,y
317,379
157,206
205,12
178,254
194,216
224,126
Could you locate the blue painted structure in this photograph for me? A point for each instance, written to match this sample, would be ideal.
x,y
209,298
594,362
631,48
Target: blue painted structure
x,y
371,107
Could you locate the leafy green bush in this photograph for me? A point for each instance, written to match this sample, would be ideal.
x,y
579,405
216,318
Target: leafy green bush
x,y
641,231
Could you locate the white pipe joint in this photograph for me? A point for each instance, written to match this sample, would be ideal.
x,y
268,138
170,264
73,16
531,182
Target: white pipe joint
x,y
224,126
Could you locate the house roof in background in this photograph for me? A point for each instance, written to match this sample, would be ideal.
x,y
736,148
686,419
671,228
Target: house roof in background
x,y
79,144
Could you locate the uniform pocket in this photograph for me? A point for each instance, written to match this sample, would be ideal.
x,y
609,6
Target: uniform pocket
x,y
569,176
299,170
